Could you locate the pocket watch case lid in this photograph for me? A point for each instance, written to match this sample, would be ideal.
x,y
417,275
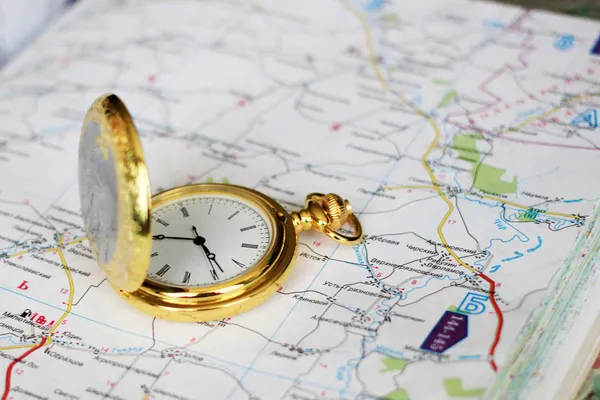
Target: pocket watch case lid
x,y
114,191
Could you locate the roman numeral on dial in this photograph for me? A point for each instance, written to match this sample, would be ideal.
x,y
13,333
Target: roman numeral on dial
x,y
163,270
250,246
186,277
185,212
214,275
163,223
248,228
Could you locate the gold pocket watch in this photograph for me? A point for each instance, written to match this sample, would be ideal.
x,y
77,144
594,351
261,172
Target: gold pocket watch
x,y
192,253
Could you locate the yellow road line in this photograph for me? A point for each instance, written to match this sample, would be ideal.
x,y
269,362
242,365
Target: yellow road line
x,y
23,346
510,203
373,58
498,199
21,253
384,84
551,111
71,291
443,196
423,187
531,119
78,240
58,249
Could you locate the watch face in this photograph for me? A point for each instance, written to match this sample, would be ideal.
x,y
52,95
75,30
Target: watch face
x,y
98,191
207,239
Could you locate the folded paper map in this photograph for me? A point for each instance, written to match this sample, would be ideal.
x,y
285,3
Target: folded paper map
x,y
465,135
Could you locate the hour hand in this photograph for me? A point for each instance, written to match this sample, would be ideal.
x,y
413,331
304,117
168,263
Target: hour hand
x,y
161,237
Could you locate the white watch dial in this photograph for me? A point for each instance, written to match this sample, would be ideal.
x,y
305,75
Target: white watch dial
x,y
205,240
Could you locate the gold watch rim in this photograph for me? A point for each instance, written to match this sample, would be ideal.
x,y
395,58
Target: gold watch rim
x,y
235,295
134,241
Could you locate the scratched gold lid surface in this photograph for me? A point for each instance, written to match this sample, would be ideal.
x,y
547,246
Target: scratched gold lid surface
x,y
114,192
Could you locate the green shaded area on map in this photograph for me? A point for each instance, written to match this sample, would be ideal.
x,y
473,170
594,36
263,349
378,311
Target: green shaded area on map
x,y
466,146
526,216
209,179
390,17
394,364
454,388
596,386
441,82
448,98
590,389
453,308
398,394
487,178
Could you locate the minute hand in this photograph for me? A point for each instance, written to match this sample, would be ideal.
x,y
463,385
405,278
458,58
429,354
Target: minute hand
x,y
161,237
211,257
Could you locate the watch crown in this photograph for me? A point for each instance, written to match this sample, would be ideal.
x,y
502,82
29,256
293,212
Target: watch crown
x,y
327,214
337,209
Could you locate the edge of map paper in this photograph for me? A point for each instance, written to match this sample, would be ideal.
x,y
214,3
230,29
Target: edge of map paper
x,y
548,347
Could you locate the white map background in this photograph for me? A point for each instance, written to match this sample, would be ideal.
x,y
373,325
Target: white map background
x,y
442,122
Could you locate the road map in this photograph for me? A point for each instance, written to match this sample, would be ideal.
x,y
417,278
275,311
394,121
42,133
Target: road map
x,y
463,133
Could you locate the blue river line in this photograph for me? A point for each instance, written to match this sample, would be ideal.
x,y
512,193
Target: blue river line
x,y
517,255
523,238
470,357
531,250
558,222
374,5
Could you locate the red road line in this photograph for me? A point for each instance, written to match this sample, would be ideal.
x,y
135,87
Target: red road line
x,y
14,362
500,321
